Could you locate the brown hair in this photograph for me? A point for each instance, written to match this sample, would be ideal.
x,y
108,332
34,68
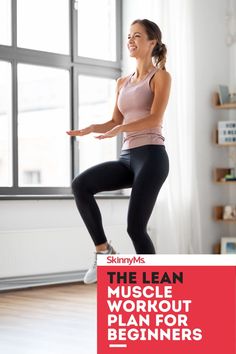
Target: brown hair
x,y
153,32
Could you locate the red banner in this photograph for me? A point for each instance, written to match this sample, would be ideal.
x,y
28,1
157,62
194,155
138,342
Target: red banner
x,y
177,309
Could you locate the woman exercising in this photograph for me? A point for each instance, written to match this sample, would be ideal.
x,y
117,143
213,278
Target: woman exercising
x,y
143,164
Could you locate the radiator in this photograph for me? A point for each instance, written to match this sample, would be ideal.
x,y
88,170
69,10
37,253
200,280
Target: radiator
x,y
50,256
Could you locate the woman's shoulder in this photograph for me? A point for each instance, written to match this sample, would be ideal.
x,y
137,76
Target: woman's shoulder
x,y
161,78
121,81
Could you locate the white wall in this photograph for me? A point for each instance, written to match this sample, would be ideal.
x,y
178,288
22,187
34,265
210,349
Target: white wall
x,y
212,68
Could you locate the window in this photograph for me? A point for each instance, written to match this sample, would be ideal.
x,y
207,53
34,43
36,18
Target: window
x,y
43,25
32,177
43,118
95,106
5,125
5,22
52,80
97,32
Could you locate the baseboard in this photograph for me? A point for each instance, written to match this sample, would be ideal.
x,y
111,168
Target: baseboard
x,y
30,281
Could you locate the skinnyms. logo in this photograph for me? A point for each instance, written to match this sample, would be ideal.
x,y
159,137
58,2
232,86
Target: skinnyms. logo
x,y
125,260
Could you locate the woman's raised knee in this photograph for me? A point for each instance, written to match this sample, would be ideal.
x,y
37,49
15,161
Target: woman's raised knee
x,y
78,184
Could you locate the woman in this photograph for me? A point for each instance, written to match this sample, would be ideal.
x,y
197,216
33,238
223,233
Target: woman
x,y
143,164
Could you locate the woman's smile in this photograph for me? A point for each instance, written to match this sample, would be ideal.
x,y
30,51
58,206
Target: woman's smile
x,y
132,48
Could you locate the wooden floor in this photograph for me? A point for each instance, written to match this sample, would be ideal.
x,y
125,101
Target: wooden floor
x,y
49,320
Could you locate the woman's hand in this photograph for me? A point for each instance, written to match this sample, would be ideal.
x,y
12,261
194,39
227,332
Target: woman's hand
x,y
80,132
111,133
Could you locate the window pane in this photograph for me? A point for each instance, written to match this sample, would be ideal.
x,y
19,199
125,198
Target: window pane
x,y
43,25
44,147
96,99
5,22
5,125
97,29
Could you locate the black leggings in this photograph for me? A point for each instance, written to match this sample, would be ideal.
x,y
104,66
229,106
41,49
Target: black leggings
x,y
145,169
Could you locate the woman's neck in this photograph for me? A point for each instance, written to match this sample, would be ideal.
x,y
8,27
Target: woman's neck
x,y
143,68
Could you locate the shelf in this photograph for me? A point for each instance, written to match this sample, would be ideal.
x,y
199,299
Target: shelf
x,y
220,173
224,182
227,221
231,144
217,248
218,215
215,140
217,105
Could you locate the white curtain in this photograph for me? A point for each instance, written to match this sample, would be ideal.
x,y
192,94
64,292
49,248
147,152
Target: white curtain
x,y
176,218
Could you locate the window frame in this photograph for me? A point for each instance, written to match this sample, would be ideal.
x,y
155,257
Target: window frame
x,y
76,66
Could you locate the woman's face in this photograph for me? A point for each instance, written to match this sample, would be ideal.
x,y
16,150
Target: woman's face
x,y
138,44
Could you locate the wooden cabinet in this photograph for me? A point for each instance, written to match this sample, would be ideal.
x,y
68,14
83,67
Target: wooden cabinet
x,y
220,174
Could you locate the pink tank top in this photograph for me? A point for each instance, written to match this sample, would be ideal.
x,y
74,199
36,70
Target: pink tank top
x,y
134,102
